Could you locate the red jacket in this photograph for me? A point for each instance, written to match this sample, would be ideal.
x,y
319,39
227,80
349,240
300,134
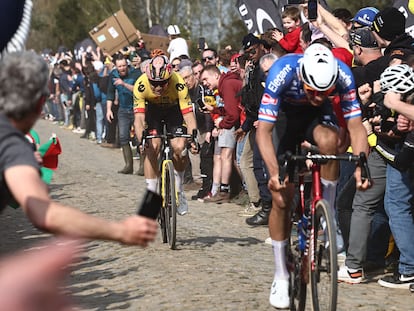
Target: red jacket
x,y
290,42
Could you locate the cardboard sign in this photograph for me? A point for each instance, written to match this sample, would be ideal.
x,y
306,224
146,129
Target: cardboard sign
x,y
155,42
114,33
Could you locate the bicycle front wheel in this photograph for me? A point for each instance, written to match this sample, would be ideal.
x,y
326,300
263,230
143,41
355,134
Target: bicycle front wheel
x,y
323,264
170,202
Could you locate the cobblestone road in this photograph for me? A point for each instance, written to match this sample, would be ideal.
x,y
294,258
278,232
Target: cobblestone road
x,y
220,263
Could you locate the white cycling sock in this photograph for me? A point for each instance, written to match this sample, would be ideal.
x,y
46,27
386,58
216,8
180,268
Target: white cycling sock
x,y
279,251
179,177
152,184
329,193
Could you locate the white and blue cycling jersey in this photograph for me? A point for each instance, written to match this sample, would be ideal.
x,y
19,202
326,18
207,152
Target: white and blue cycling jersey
x,y
284,87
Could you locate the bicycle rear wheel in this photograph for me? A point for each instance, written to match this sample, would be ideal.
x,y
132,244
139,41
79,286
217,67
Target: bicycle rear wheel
x,y
170,202
324,268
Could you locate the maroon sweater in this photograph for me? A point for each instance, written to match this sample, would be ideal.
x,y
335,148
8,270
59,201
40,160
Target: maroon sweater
x,y
229,86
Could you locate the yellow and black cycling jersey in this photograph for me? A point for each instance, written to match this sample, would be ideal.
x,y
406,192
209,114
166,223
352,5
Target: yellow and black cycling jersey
x,y
176,93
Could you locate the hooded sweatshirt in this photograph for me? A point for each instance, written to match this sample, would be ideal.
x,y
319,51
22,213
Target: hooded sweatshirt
x,y
229,86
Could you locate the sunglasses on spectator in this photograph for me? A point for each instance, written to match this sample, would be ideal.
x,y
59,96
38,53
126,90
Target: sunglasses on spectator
x,y
251,52
158,83
175,65
208,58
315,93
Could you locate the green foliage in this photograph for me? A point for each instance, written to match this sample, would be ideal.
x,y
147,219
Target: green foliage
x,y
354,6
65,22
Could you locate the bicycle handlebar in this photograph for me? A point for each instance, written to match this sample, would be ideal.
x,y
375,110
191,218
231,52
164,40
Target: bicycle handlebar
x,y
288,159
193,137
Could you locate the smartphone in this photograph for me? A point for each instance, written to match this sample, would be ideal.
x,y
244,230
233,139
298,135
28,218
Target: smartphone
x,y
201,43
312,10
151,205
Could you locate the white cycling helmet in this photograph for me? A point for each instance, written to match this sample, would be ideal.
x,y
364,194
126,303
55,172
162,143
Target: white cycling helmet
x,y
173,30
397,78
319,68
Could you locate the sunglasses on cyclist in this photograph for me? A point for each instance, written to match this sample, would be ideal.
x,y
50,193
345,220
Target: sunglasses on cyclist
x,y
315,93
158,83
207,58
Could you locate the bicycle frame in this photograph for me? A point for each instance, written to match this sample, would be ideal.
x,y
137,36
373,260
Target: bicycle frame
x,y
315,257
316,196
169,194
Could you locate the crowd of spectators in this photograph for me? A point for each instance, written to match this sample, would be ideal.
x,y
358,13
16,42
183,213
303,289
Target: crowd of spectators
x,y
92,97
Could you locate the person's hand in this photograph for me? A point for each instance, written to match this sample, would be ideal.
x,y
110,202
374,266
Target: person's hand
x,y
361,184
207,108
33,280
119,81
138,230
365,92
274,183
109,116
239,134
215,132
404,124
38,157
277,35
217,122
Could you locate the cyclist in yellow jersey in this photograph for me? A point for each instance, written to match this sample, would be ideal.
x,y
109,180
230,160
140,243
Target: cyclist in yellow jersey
x,y
161,95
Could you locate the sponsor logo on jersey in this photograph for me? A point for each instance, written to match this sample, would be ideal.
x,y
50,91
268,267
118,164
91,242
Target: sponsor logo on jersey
x,y
179,86
268,100
350,96
346,78
280,78
141,87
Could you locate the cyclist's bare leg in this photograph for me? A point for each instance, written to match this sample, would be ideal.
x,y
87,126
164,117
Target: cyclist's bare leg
x,y
280,213
326,138
179,159
279,227
151,163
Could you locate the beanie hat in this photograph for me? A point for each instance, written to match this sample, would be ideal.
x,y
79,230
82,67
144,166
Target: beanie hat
x,y
15,18
389,23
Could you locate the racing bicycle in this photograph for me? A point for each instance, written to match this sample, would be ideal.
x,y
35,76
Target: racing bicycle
x,y
312,255
168,215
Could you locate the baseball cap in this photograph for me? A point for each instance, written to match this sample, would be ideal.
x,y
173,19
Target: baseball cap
x,y
15,19
389,23
365,16
250,40
363,37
